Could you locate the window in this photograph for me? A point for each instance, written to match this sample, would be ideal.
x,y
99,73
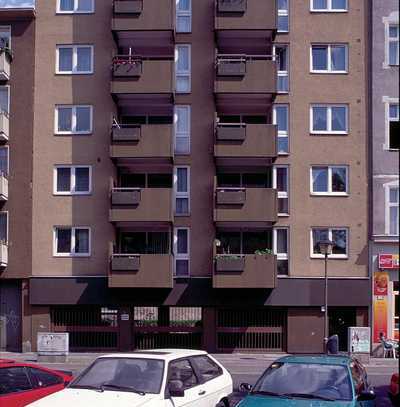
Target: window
x,y
75,6
337,235
5,99
329,119
4,161
72,180
182,190
329,5
281,250
3,228
40,378
5,37
207,368
71,241
281,183
282,54
392,208
181,251
183,68
182,125
183,16
329,58
73,119
74,59
394,128
281,120
182,370
283,16
14,380
332,180
393,44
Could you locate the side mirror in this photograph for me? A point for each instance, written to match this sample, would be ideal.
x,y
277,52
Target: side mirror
x,y
175,388
245,387
366,395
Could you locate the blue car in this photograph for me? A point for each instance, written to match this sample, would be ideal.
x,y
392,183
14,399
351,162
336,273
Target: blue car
x,y
318,381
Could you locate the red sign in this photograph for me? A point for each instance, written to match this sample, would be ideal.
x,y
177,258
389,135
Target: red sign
x,y
388,261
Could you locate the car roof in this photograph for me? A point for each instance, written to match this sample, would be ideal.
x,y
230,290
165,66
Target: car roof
x,y
339,360
161,354
11,362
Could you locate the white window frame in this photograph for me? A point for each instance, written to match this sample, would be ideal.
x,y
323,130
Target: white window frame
x,y
329,192
329,53
75,10
330,229
185,73
389,101
186,134
5,28
184,13
182,195
387,187
73,120
72,253
7,148
329,118
284,13
392,19
329,8
282,133
7,226
181,256
282,194
8,98
74,59
281,256
72,191
284,74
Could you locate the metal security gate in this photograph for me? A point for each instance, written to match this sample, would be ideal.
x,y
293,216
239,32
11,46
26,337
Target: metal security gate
x,y
251,330
167,327
90,328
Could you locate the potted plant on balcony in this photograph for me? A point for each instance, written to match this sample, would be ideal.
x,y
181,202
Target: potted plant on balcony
x,y
127,66
263,252
229,262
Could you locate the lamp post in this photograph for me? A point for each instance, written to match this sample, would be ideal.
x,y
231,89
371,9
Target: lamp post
x,y
325,247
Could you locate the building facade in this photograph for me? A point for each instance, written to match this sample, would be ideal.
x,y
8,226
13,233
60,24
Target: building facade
x,y
187,159
384,245
17,57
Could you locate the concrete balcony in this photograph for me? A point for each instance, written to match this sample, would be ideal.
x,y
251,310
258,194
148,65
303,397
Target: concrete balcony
x,y
3,188
150,142
4,126
141,271
245,143
3,255
245,207
5,65
141,205
245,271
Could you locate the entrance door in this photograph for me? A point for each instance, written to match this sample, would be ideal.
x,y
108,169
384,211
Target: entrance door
x,y
396,310
340,319
10,316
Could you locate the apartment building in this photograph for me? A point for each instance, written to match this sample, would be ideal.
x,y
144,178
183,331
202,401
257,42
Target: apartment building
x,y
188,156
384,244
16,131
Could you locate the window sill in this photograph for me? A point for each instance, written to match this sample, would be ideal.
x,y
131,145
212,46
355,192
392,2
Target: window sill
x,y
72,193
283,215
328,133
73,73
66,255
89,133
59,12
331,257
327,194
329,72
283,154
182,215
328,11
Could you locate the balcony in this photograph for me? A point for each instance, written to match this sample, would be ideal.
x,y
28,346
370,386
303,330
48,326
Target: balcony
x,y
245,271
150,142
241,143
243,80
3,254
245,207
141,205
4,126
5,65
141,271
3,188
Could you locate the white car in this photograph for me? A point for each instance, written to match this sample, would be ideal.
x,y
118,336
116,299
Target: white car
x,y
155,378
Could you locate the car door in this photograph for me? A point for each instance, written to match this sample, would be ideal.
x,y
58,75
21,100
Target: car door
x,y
44,382
216,384
360,385
182,369
15,387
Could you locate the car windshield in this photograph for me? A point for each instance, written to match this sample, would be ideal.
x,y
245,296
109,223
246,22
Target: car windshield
x,y
330,382
139,375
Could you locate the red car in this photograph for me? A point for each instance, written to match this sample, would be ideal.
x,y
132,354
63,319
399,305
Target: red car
x,y
24,383
394,393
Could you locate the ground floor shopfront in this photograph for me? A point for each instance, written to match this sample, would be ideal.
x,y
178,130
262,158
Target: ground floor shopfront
x,y
192,314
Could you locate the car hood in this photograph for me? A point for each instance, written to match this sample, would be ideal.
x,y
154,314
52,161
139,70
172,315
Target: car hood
x,y
85,398
266,401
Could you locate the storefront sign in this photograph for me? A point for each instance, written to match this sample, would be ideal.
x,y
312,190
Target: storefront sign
x,y
388,261
380,308
359,338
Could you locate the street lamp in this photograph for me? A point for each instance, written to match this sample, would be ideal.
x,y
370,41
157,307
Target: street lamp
x,y
326,247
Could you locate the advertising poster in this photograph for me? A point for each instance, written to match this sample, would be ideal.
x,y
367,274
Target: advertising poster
x,y
380,309
359,339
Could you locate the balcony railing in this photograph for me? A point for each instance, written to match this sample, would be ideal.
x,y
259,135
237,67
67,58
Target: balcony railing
x,y
231,6
5,64
3,254
141,271
4,126
245,271
3,187
126,196
126,133
128,6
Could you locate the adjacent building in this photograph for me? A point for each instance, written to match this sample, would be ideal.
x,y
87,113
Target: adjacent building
x,y
188,156
385,144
